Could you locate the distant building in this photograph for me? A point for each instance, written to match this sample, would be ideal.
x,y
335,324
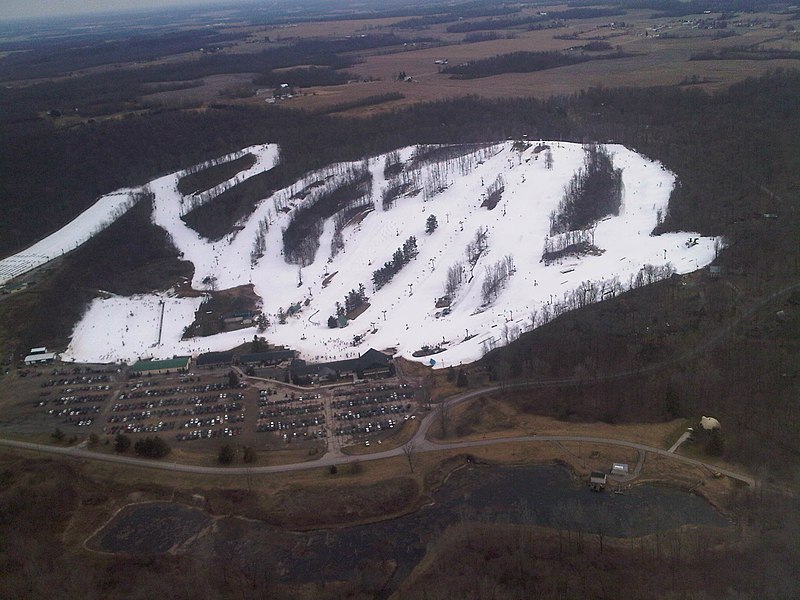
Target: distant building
x,y
39,356
709,423
620,469
597,481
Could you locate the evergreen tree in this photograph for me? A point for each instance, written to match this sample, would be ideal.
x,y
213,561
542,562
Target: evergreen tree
x,y
226,455
121,443
431,224
249,455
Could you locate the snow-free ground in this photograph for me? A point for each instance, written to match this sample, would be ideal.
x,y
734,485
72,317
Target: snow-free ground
x,y
401,315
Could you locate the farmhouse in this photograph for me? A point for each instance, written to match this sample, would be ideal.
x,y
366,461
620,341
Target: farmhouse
x,y
161,367
39,356
372,364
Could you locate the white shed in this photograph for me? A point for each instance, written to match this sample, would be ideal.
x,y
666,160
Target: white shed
x,y
620,469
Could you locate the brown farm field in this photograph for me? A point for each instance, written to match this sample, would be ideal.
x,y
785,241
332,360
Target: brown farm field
x,y
51,507
657,52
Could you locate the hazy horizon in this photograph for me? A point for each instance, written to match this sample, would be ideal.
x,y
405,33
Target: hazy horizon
x,y
36,9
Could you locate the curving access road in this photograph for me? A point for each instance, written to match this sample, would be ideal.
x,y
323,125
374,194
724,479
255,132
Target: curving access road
x,y
419,442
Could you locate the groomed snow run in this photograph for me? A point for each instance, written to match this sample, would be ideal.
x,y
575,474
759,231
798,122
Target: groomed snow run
x,y
90,222
402,315
103,213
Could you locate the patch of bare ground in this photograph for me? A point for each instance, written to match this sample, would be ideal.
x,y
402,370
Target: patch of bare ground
x,y
498,416
479,560
208,89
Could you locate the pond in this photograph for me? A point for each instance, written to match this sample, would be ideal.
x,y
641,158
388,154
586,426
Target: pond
x,y
540,495
150,528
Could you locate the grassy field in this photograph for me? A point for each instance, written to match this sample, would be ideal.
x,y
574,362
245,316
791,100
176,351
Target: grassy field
x,y
657,60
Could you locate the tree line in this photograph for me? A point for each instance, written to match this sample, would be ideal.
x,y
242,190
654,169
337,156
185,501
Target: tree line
x,y
593,192
401,257
301,236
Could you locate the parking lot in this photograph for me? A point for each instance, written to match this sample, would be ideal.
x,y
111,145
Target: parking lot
x,y
291,414
185,407
192,410
370,412
74,398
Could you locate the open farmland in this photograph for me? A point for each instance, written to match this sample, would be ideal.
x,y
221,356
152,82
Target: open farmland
x,y
428,301
658,51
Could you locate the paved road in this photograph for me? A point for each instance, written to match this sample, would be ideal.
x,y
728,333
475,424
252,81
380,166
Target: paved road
x,y
684,436
420,443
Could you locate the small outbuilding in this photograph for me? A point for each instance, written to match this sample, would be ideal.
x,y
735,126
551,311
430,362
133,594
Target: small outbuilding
x,y
597,481
620,469
38,356
709,423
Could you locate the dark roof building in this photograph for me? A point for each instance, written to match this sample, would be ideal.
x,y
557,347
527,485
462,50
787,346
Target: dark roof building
x,y
273,357
370,364
213,359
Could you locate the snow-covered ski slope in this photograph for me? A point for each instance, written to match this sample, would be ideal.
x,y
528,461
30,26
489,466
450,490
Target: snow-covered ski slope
x,y
101,214
91,221
402,314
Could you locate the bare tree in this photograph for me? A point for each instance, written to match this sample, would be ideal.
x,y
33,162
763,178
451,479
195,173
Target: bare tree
x,y
409,451
444,414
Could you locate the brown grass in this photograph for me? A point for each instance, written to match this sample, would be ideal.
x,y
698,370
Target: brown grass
x,y
497,416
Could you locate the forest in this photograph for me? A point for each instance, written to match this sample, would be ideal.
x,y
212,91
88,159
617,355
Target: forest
x,y
515,62
301,236
682,127
669,347
734,163
594,192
